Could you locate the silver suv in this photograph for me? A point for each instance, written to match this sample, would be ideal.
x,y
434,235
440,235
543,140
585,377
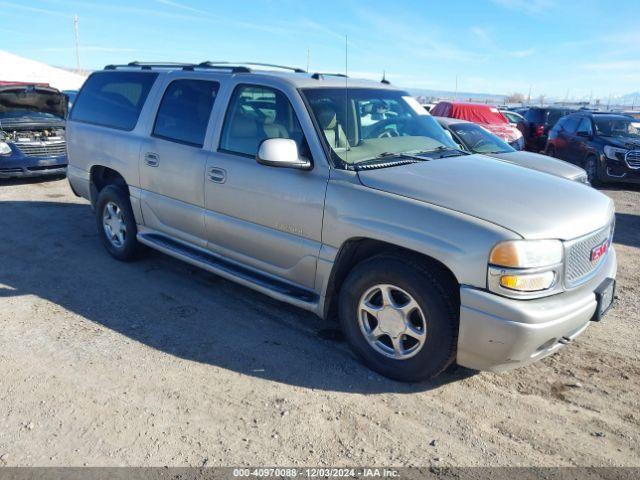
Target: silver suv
x,y
345,198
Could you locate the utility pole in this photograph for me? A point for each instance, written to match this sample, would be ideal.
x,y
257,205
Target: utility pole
x,y
529,96
308,59
455,93
75,29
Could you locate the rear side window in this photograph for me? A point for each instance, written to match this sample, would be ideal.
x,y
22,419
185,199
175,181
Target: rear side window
x,y
570,124
113,99
534,115
184,111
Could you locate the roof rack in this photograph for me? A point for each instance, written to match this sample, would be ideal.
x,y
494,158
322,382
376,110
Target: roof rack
x,y
234,67
321,75
255,64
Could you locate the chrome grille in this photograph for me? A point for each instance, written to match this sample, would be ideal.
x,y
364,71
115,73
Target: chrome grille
x,y
633,159
42,149
578,256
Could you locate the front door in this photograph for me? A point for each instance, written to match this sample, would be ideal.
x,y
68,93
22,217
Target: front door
x,y
265,217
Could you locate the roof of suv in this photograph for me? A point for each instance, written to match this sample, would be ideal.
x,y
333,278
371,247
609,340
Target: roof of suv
x,y
294,76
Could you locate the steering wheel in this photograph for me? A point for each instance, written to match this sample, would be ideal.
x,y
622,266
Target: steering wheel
x,y
479,144
383,128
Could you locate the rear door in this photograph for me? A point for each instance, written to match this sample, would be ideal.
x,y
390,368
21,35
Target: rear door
x,y
565,134
579,144
172,161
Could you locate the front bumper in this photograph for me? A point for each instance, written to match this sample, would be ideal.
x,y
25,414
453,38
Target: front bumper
x,y
499,334
619,171
32,166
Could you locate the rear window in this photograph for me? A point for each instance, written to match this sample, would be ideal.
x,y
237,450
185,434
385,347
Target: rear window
x,y
113,99
534,115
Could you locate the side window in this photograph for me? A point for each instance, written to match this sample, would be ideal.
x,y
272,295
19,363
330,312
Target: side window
x,y
571,124
184,111
113,99
584,126
256,113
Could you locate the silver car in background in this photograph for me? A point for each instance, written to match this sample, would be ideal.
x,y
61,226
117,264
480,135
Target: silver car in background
x,y
346,198
473,138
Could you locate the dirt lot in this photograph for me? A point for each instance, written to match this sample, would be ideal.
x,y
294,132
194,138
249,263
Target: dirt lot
x,y
158,363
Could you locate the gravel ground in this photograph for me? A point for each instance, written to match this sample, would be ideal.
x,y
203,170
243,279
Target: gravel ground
x,y
158,363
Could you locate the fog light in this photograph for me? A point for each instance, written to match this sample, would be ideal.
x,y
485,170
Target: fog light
x,y
5,149
531,282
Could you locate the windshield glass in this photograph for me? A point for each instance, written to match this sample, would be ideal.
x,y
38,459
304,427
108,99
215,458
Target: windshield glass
x,y
361,124
25,115
616,127
479,140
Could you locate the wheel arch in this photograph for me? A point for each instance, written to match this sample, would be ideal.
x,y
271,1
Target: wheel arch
x,y
101,176
355,250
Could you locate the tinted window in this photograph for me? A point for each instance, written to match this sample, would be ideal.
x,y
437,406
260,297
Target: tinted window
x,y
255,114
479,140
184,111
113,99
554,115
584,125
571,124
534,115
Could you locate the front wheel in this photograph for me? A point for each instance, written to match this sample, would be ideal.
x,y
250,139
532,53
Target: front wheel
x,y
593,172
399,318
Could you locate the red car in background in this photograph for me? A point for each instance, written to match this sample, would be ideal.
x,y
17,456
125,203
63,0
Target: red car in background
x,y
484,115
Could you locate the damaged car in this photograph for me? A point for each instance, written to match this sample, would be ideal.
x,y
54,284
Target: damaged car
x,y
32,131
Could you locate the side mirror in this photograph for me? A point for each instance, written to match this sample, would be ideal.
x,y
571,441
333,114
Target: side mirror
x,y
281,152
584,134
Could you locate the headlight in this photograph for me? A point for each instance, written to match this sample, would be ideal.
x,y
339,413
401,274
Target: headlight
x,y
525,268
614,153
5,149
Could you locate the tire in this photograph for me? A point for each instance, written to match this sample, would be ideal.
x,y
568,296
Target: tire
x,y
593,170
551,151
113,202
435,310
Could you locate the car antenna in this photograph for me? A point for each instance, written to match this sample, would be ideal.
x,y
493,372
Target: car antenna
x,y
384,78
346,100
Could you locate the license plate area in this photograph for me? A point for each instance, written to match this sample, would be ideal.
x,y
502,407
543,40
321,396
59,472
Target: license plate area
x,y
605,294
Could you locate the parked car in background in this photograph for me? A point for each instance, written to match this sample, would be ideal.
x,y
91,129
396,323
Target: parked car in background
x,y
32,131
514,118
537,123
426,254
485,115
475,139
71,97
606,145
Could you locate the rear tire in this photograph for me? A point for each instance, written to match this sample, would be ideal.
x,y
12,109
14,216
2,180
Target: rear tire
x,y
401,340
116,224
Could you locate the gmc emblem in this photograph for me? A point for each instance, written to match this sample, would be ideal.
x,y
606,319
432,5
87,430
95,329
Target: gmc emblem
x,y
598,251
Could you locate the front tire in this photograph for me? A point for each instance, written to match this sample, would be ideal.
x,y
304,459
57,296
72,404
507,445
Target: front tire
x,y
593,170
116,223
399,318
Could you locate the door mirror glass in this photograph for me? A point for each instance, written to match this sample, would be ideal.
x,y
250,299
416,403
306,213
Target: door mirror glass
x,y
281,152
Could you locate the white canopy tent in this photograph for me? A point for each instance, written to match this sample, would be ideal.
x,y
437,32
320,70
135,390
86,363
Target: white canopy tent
x,y
14,68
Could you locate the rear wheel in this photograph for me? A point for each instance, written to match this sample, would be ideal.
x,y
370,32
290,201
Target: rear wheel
x,y
399,318
116,223
551,151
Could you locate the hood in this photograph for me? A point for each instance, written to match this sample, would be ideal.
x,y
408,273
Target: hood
x,y
532,204
542,163
33,97
623,142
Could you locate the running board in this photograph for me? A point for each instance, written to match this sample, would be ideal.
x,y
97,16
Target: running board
x,y
273,287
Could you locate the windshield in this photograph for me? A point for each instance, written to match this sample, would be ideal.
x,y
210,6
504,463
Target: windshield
x,y
616,127
361,124
479,140
25,115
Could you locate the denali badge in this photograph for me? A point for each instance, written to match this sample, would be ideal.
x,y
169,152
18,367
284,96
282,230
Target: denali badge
x,y
598,251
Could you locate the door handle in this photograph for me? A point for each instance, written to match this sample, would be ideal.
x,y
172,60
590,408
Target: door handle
x,y
151,159
217,175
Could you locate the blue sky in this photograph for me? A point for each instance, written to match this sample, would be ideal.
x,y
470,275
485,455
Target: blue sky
x,y
559,48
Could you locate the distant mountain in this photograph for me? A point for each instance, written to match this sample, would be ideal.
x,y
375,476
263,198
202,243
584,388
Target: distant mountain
x,y
462,96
